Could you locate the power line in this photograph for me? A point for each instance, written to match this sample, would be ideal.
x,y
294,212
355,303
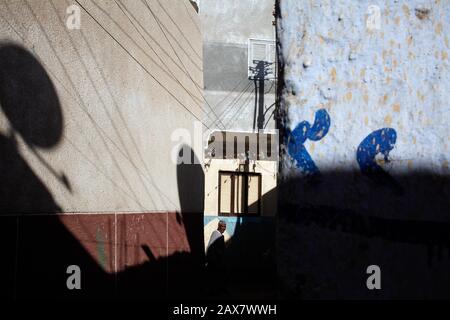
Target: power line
x,y
270,117
175,52
151,37
140,64
122,118
168,72
181,32
235,101
84,109
246,101
271,86
149,57
79,101
230,92
165,65
193,22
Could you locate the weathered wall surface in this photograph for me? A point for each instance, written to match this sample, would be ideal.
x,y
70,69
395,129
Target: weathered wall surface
x,y
268,171
85,132
236,21
116,115
227,26
396,76
365,158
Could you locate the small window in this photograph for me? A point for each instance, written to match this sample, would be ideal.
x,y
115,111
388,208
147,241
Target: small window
x,y
261,59
239,193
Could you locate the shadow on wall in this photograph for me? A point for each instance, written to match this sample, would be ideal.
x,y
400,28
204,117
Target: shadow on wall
x,y
30,103
38,245
180,274
251,255
332,227
191,186
187,274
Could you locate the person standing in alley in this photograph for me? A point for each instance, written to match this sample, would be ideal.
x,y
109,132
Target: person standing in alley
x,y
215,259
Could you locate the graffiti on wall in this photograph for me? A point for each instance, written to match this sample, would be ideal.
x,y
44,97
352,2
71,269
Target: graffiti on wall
x,y
304,131
379,142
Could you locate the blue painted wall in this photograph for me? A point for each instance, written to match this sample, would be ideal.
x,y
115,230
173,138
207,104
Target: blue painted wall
x,y
365,163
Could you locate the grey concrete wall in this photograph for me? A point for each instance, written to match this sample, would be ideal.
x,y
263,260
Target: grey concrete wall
x,y
87,178
365,159
227,26
88,118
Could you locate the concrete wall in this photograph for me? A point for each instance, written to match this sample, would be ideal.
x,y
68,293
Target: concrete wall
x,y
236,21
85,130
250,239
116,119
365,157
227,27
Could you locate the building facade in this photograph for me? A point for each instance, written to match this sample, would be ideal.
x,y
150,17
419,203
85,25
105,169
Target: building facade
x,y
90,94
238,35
365,148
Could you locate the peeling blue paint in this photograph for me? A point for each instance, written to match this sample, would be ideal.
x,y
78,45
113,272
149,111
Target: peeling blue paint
x,y
381,141
301,133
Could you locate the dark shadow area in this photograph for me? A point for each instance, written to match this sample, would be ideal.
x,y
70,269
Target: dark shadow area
x,y
36,249
329,231
28,98
181,274
191,186
250,266
260,72
332,228
250,257
186,273
29,101
38,244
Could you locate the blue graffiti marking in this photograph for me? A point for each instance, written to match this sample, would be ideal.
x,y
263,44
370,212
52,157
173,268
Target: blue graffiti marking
x,y
381,141
301,133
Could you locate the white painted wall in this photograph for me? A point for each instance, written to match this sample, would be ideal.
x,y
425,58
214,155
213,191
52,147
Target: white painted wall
x,y
118,116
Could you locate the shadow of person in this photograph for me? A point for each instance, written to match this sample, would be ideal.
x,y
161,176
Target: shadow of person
x,y
36,247
216,263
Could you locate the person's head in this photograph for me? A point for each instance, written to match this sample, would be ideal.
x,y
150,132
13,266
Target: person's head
x,y
222,226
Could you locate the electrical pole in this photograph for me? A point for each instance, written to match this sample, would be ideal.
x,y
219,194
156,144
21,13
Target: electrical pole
x,y
261,70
